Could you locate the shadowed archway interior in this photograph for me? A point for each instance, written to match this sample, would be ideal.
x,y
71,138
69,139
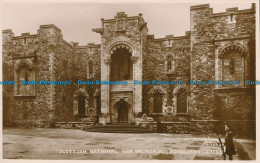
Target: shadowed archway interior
x,y
121,66
122,107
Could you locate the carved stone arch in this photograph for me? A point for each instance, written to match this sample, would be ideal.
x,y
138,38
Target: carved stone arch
x,y
159,87
234,46
24,70
168,54
121,59
121,41
78,93
121,99
179,87
153,93
81,91
119,106
22,63
116,100
175,98
225,65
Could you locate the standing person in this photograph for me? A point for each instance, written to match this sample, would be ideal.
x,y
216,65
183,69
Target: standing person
x,y
230,148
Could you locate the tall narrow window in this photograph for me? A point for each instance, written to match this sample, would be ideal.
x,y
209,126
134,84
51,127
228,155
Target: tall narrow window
x,y
232,67
90,49
169,64
181,101
157,101
23,75
81,104
231,16
23,71
91,71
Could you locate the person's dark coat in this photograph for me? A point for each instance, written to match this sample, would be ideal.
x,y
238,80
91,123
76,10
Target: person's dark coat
x,y
230,148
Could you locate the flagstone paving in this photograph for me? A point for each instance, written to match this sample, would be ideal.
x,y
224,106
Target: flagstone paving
x,y
72,144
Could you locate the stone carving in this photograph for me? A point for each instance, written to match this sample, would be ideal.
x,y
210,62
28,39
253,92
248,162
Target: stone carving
x,y
235,46
22,63
98,30
232,101
107,61
134,59
120,40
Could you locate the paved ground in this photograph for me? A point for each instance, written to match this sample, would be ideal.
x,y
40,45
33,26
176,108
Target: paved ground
x,y
75,144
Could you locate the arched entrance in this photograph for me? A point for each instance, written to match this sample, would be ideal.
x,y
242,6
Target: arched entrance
x,y
121,66
122,108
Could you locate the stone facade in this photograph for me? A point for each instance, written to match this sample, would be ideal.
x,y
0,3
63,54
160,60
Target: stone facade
x,y
219,46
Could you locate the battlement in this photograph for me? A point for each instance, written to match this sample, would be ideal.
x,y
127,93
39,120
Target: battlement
x,y
50,26
120,15
170,37
7,31
228,10
90,45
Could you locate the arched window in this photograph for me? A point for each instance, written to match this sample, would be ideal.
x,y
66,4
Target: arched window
x,y
121,66
157,103
23,73
232,67
181,101
81,104
91,69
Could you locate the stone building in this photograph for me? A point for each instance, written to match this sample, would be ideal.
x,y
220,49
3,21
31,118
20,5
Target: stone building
x,y
219,46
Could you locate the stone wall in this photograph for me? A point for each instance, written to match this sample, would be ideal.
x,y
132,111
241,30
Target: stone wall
x,y
210,34
37,48
121,32
155,68
52,58
204,53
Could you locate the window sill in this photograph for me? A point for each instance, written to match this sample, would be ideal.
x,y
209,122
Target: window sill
x,y
24,96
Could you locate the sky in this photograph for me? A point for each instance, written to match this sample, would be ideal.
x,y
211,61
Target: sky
x,y
76,20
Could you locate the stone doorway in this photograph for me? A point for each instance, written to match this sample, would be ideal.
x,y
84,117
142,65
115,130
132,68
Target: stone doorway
x,y
122,107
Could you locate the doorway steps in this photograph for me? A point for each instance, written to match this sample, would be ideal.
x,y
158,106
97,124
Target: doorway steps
x,y
118,128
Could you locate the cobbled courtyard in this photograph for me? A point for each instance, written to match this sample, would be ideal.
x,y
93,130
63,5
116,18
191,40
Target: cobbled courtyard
x,y
72,144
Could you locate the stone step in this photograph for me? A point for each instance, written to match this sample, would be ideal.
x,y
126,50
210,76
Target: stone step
x,y
118,128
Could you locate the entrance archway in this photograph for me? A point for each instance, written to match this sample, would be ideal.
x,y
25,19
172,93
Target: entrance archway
x,y
122,108
121,66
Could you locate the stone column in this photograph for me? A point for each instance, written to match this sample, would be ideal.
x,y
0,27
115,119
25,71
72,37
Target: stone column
x,y
137,91
105,72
